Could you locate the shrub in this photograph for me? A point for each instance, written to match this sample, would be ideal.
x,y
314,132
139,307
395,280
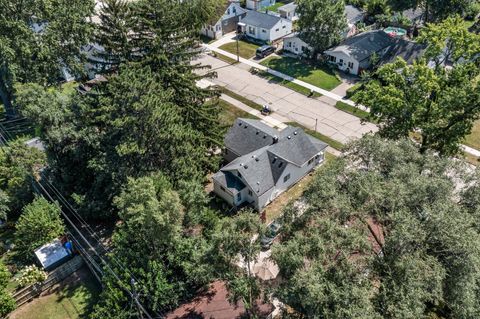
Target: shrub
x,y
31,275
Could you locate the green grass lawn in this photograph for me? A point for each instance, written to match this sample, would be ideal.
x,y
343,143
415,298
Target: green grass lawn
x,y
352,110
293,86
245,49
319,76
333,143
274,7
229,113
73,300
473,140
242,99
224,58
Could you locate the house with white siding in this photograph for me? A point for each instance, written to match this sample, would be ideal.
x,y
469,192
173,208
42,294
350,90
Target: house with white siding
x,y
265,27
263,162
225,20
293,44
288,11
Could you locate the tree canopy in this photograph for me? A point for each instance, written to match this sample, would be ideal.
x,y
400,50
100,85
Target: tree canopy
x,y
322,23
439,103
39,223
38,39
388,233
434,10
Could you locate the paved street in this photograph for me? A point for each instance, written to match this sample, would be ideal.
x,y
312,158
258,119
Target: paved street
x,y
289,104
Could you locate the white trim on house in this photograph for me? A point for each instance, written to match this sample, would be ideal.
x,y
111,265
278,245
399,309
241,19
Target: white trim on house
x,y
293,44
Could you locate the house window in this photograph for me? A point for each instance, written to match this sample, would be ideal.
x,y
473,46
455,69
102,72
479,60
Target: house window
x,y
280,165
350,65
234,10
310,161
218,28
251,30
289,44
296,49
286,178
284,27
265,31
341,61
222,188
333,58
239,175
239,197
228,11
250,193
276,30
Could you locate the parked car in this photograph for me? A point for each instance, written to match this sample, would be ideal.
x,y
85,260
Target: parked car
x,y
264,51
272,232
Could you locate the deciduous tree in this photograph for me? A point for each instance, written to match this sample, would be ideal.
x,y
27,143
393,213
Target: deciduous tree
x,y
39,223
322,23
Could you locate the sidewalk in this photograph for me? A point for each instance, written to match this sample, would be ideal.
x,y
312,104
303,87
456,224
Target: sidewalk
x,y
287,77
325,93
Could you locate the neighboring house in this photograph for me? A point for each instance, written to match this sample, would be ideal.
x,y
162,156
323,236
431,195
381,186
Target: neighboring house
x,y
215,304
354,54
225,20
353,15
259,4
264,162
288,11
408,50
295,45
265,27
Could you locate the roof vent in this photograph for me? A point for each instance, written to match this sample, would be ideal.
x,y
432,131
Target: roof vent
x,y
258,132
289,137
239,123
241,164
265,136
246,126
258,183
257,159
246,166
295,133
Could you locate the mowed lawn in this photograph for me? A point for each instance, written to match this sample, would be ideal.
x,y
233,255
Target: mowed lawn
x,y
473,140
245,49
319,76
73,299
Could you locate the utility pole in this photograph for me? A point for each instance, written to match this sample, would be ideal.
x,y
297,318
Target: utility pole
x,y
316,122
238,53
135,296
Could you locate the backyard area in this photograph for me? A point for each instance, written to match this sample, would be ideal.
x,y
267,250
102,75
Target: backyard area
x,y
321,77
473,140
246,49
73,298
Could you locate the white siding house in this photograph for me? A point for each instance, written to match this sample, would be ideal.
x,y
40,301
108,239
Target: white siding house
x,y
267,162
259,4
265,27
354,54
297,46
288,11
225,21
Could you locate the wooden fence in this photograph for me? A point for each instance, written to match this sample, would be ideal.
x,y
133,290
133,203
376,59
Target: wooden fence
x,y
26,294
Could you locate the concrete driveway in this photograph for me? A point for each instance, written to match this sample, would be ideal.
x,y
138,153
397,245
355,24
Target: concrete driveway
x,y
289,104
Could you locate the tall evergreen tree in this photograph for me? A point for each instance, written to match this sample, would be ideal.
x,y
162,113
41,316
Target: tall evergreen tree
x,y
37,39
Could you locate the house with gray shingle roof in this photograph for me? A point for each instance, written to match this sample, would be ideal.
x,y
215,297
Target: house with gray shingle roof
x,y
263,162
265,27
355,54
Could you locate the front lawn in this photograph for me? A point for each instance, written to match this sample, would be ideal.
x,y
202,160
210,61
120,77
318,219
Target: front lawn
x,y
353,110
246,50
473,140
229,113
321,77
291,85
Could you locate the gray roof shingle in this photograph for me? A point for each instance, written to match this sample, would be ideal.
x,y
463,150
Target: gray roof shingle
x,y
407,50
261,20
263,165
353,14
362,46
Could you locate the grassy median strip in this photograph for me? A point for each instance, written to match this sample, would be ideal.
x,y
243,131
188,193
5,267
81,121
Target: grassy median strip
x,y
331,142
353,110
291,85
242,99
245,49
224,58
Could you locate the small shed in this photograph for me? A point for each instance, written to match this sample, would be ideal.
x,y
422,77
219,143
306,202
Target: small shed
x,y
52,255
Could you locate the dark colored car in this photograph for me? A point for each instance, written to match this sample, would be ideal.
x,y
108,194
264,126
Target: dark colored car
x,y
264,51
270,235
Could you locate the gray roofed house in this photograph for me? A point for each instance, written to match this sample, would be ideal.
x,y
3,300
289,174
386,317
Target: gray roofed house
x,y
353,14
408,50
265,27
289,11
260,169
354,54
